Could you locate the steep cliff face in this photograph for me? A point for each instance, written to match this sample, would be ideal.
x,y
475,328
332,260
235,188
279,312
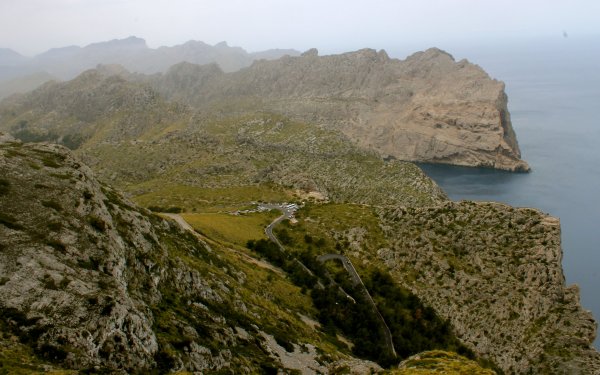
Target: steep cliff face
x,y
93,282
495,272
426,108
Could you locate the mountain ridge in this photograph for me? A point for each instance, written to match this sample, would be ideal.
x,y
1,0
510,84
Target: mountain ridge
x,y
426,108
67,62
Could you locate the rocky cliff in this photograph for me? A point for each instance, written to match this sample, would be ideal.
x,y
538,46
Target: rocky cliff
x,y
495,272
427,108
89,281
130,135
492,270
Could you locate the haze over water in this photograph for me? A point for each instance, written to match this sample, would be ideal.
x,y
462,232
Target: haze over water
x,y
553,87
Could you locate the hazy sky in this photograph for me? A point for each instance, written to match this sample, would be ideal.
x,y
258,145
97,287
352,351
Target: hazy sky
x,y
33,26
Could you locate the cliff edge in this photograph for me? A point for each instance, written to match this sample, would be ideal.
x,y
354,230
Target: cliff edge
x,y
426,108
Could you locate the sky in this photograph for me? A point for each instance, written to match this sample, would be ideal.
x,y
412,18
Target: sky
x,y
34,26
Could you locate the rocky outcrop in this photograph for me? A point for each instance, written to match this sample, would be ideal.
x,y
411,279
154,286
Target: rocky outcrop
x,y
427,108
495,272
92,282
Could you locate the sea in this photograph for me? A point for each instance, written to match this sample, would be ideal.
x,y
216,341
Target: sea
x,y
553,86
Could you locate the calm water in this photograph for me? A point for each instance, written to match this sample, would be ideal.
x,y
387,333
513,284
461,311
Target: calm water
x,y
554,96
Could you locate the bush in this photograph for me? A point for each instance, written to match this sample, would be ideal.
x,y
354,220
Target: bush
x,y
52,204
165,361
49,161
283,342
9,222
52,352
170,210
49,282
269,250
284,237
90,264
57,245
4,186
73,141
55,226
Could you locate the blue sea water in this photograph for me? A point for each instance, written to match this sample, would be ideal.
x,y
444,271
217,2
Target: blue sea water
x,y
553,87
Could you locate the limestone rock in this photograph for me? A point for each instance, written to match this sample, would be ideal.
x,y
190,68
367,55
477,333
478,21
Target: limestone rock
x,y
426,108
495,272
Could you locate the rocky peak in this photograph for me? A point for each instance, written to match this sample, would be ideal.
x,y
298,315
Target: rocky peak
x,y
433,53
311,52
427,108
108,70
222,44
129,43
383,56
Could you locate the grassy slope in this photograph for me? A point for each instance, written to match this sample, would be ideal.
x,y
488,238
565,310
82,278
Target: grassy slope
x,y
19,359
231,228
439,362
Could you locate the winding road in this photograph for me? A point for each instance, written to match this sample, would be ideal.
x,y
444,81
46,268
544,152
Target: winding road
x,y
287,213
357,282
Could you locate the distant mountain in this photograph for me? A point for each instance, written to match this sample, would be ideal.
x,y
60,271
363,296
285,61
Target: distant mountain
x,y
24,84
426,108
10,57
132,53
10,64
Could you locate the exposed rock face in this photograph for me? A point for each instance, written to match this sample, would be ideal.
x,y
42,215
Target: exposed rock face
x,y
127,133
91,281
495,272
426,108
